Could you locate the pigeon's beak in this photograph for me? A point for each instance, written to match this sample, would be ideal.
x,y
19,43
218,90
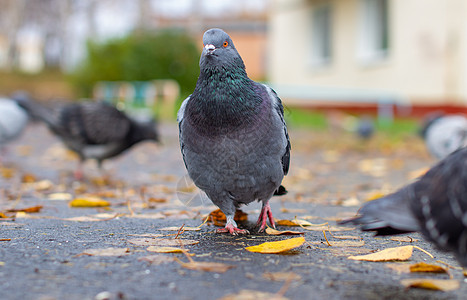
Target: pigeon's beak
x,y
209,49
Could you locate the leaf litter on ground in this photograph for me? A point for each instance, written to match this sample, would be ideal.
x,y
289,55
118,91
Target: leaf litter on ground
x,y
277,246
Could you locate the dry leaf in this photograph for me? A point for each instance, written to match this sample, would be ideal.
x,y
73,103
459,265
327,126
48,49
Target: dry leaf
x,y
207,266
217,217
429,268
106,252
278,246
157,259
406,239
273,231
444,285
177,228
253,295
43,185
157,200
5,240
89,202
295,222
281,276
164,249
7,172
28,178
162,242
340,244
390,254
399,267
328,228
33,209
347,237
60,196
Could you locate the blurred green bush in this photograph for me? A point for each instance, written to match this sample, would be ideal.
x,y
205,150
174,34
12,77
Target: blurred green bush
x,y
140,56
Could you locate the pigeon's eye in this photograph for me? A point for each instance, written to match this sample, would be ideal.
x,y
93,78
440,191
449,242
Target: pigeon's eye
x,y
225,44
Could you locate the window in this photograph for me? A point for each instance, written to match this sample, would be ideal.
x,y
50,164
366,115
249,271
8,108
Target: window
x,y
374,30
321,34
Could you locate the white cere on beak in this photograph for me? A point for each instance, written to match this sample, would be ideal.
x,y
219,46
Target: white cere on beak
x,y
209,47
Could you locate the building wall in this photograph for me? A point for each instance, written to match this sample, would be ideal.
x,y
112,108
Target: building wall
x,y
427,53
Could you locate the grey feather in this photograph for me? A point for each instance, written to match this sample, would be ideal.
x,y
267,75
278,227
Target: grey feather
x,y
13,119
446,134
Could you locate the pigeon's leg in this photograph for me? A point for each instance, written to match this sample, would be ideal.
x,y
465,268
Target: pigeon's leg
x,y
79,170
231,227
266,213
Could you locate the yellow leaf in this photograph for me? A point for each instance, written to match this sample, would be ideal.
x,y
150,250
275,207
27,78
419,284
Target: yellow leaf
x,y
28,178
390,254
273,231
89,202
296,222
253,295
424,267
7,172
277,247
32,209
106,252
206,266
164,249
431,284
406,239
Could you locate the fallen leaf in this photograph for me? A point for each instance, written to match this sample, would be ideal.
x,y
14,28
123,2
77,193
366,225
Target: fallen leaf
x,y
399,267
157,259
328,228
5,240
406,239
278,246
32,209
217,217
165,249
28,178
295,222
206,266
3,216
428,268
390,254
7,172
106,252
273,231
340,244
162,242
281,276
60,196
89,202
43,185
157,200
177,228
253,295
444,285
347,237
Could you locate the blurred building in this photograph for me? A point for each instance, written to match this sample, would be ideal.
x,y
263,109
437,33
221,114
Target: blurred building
x,y
372,51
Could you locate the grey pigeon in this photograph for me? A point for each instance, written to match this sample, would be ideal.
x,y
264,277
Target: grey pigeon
x,y
445,134
13,119
365,128
94,130
435,205
233,136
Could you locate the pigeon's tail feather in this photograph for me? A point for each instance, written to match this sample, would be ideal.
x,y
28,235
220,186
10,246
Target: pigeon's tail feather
x,y
281,190
37,111
388,215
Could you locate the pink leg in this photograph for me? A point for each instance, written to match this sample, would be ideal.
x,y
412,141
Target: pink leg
x,y
266,213
231,227
79,171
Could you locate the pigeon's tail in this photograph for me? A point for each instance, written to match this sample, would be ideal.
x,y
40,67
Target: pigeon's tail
x,y
280,191
387,215
36,110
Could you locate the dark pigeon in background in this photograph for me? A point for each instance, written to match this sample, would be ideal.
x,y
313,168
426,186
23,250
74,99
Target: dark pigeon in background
x,y
13,119
233,136
443,134
435,205
94,130
365,128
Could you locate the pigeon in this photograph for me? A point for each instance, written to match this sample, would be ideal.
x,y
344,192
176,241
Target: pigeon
x,y
232,133
444,134
94,130
13,120
435,205
365,128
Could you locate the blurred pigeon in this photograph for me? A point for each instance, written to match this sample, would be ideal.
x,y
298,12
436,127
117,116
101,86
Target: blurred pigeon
x,y
94,130
365,128
233,136
444,134
435,205
13,119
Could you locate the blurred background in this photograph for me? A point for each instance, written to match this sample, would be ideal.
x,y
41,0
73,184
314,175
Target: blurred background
x,y
331,61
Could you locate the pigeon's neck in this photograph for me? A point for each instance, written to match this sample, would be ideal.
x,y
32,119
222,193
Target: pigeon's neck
x,y
224,98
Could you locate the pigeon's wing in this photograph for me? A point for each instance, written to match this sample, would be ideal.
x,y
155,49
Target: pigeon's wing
x,y
180,114
94,123
279,109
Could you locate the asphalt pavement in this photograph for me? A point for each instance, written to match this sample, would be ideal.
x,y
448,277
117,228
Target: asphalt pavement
x,y
64,252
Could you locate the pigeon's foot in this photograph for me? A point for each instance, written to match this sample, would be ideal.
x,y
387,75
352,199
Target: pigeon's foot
x,y
233,230
266,213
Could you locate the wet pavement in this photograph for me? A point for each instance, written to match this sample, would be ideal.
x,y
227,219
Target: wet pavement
x,y
49,254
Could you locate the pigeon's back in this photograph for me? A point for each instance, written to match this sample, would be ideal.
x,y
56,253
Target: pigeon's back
x,y
13,119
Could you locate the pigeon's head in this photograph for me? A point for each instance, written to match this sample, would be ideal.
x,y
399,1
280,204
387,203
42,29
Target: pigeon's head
x,y
219,50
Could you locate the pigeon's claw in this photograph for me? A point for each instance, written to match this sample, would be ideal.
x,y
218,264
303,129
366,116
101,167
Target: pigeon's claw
x,y
266,213
231,227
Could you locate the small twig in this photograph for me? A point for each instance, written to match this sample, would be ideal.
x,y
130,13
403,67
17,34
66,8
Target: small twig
x,y
179,230
424,251
324,233
448,265
204,222
128,204
285,287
